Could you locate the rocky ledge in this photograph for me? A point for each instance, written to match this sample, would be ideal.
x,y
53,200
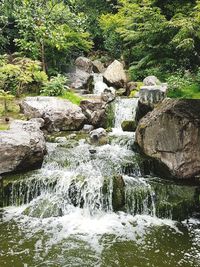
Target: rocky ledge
x,y
58,114
22,147
170,135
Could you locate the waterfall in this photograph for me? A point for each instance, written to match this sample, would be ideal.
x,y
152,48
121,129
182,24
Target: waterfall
x,y
99,85
125,110
90,201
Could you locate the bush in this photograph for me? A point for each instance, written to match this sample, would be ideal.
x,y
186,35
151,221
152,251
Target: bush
x,y
19,75
183,86
55,86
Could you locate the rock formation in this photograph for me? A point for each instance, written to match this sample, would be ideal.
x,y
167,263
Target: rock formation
x,y
170,134
58,114
22,147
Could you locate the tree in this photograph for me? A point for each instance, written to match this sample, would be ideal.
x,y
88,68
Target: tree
x,y
48,29
156,41
6,96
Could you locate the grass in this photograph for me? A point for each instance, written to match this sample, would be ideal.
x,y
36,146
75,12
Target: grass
x,y
189,92
4,126
72,97
13,113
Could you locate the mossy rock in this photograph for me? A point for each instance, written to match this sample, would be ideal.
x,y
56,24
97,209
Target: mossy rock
x,y
128,126
118,195
121,92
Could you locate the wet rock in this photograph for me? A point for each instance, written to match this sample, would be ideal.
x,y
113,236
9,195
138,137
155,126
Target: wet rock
x,y
22,147
177,202
58,114
115,75
170,135
118,195
121,92
98,136
132,86
141,110
128,126
149,98
95,111
84,64
108,95
98,67
151,81
151,95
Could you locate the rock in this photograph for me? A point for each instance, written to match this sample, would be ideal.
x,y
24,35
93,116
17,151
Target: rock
x,y
121,92
84,64
98,136
95,111
152,95
108,95
98,67
79,79
58,114
149,98
115,75
88,128
151,81
141,110
170,135
22,147
128,126
131,86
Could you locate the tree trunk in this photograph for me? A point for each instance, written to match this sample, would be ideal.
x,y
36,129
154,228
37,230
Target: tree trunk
x,y
43,56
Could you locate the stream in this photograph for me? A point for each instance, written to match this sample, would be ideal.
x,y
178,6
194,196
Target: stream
x,y
93,205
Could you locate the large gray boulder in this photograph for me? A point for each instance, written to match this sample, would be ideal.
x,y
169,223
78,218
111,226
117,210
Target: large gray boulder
x,y
79,79
22,147
149,97
84,64
115,75
170,135
58,114
151,81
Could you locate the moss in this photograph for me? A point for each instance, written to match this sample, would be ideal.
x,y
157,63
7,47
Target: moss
x,y
118,196
72,97
4,126
128,126
110,115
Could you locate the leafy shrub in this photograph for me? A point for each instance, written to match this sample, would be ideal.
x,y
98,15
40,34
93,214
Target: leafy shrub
x,y
184,86
55,86
19,75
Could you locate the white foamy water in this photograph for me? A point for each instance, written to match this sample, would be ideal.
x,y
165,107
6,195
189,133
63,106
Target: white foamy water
x,y
125,110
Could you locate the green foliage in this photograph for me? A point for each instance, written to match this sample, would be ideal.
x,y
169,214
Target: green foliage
x,y
72,97
184,86
55,86
49,31
20,74
156,42
6,97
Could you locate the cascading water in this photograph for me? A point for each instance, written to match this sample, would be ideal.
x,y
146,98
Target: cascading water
x,y
99,85
91,206
125,109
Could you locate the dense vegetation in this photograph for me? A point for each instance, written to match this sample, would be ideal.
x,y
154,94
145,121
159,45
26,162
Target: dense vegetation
x,y
40,39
